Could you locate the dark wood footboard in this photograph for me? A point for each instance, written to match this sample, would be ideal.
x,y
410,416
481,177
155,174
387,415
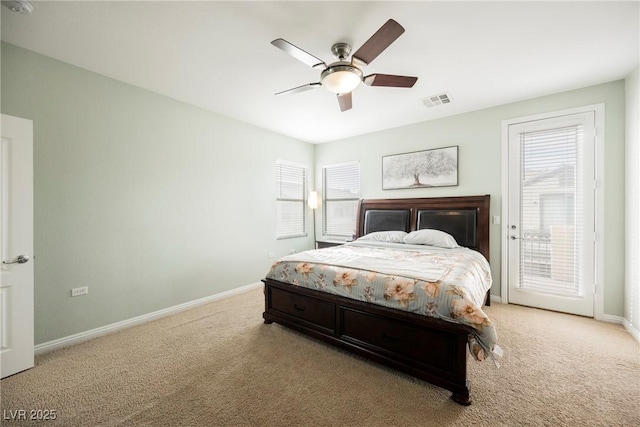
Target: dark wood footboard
x,y
430,349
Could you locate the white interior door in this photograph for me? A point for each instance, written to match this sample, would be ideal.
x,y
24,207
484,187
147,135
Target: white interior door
x,y
551,213
16,225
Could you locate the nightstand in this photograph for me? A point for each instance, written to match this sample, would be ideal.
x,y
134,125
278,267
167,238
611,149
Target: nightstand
x,y
321,244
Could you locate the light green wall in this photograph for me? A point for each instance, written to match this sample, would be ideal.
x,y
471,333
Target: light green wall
x,y
632,276
479,137
147,201
151,202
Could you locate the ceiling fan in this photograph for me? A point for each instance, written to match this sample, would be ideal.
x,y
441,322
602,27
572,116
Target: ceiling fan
x,y
342,77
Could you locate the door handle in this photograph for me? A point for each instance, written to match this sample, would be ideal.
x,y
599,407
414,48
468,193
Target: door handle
x,y
516,238
21,259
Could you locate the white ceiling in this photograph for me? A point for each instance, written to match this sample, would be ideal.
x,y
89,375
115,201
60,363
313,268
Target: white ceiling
x,y
218,56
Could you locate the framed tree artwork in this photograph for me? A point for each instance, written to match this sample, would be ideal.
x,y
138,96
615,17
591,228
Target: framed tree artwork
x,y
421,169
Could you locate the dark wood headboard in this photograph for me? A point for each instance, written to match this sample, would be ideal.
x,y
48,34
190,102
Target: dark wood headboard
x,y
465,218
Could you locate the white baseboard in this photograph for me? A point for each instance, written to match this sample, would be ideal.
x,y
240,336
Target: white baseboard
x,y
622,321
633,331
94,333
103,330
606,318
609,318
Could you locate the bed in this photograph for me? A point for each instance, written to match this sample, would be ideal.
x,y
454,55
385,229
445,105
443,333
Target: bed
x,y
403,330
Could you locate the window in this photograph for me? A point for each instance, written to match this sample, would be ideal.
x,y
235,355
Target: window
x,y
291,211
341,184
551,192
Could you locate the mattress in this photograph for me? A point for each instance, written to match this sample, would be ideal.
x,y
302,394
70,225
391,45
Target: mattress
x,y
448,284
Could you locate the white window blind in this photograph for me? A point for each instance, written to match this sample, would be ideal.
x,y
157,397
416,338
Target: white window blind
x,y
551,206
341,195
291,188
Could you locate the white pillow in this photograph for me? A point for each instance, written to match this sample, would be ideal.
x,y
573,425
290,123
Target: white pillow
x,y
385,236
432,238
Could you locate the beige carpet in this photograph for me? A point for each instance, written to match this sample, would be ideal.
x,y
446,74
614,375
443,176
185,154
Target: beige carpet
x,y
219,365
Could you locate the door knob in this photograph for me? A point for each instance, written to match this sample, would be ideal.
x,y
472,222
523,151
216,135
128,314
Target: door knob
x,y
21,259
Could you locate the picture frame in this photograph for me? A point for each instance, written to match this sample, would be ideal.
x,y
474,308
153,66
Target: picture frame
x,y
436,167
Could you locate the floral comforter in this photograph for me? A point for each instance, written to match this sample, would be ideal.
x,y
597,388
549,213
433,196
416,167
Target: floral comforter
x,y
448,284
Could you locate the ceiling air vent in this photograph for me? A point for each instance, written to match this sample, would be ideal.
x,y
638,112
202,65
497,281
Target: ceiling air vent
x,y
19,6
435,100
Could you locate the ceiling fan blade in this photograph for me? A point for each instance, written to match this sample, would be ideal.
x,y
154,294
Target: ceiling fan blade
x,y
299,54
378,42
302,88
389,80
344,99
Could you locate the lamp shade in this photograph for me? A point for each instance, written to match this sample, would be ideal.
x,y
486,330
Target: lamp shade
x,y
313,199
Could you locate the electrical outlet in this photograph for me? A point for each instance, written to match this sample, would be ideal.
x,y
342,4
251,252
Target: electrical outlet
x,y
79,291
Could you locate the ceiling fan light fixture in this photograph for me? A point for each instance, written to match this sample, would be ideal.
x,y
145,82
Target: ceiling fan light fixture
x,y
342,78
